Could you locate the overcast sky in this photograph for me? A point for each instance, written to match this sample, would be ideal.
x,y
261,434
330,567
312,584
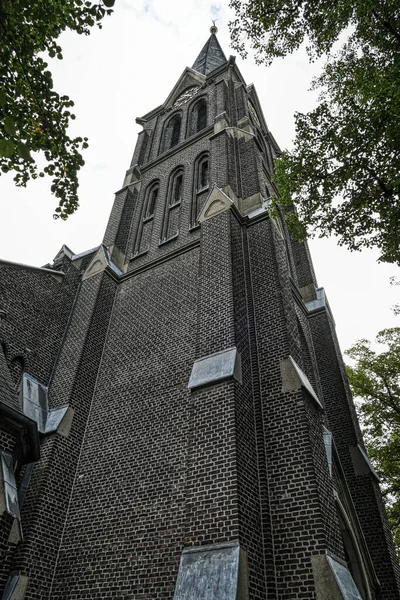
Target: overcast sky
x,y
129,68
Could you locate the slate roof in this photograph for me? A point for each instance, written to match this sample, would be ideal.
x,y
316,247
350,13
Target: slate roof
x,y
211,57
8,395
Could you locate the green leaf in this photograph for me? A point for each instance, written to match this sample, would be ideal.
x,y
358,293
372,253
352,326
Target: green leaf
x,y
109,3
23,151
9,125
7,148
3,99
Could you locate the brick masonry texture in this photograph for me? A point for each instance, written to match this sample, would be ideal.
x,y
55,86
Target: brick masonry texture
x,y
149,467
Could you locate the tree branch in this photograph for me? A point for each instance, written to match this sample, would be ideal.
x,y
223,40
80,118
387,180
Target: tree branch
x,y
387,26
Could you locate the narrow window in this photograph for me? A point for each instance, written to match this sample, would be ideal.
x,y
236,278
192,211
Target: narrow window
x,y
201,115
146,219
172,132
197,117
201,184
172,207
151,205
177,190
175,126
352,552
203,175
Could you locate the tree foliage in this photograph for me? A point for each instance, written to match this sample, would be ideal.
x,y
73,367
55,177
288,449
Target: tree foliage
x,y
375,381
33,116
343,173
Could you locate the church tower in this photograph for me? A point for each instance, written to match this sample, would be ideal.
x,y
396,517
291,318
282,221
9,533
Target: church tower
x,y
176,422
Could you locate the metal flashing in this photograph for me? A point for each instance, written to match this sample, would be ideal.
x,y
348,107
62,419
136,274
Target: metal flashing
x,y
214,572
215,368
328,443
85,253
318,303
344,580
36,407
58,275
9,485
361,463
15,588
293,378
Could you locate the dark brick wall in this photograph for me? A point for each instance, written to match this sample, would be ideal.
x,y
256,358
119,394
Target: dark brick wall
x,y
122,237
47,500
162,173
149,466
127,536
215,317
299,488
115,217
248,167
304,267
37,309
342,421
253,495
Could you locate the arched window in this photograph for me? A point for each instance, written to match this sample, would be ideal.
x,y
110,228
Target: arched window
x,y
203,175
175,125
353,554
197,117
151,202
201,185
145,225
172,133
172,206
201,115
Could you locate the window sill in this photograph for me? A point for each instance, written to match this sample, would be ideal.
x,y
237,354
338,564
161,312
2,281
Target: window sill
x,y
148,218
174,204
203,189
194,227
166,240
139,254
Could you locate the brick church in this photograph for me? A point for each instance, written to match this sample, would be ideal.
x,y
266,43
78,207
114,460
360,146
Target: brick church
x,y
176,422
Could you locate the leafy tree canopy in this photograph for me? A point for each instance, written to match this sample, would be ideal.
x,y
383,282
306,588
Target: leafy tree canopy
x,y
33,116
375,381
343,173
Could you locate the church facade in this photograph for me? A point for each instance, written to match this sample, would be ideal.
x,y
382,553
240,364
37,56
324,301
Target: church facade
x,y
176,422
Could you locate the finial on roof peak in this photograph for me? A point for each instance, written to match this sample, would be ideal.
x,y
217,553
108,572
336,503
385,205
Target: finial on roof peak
x,y
211,56
214,28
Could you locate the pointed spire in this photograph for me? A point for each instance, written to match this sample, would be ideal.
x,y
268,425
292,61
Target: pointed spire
x,y
211,57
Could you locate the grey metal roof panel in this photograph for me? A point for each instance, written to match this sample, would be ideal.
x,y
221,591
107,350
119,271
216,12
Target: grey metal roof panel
x,y
211,56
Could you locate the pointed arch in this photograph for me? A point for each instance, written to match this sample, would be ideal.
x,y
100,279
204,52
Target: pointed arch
x,y
353,552
173,205
172,132
197,116
146,218
201,185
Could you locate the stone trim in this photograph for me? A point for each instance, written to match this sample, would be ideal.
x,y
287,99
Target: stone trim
x,y
361,463
215,368
213,572
293,378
